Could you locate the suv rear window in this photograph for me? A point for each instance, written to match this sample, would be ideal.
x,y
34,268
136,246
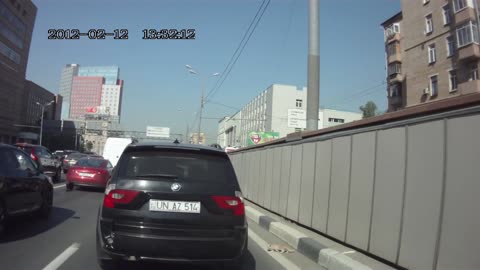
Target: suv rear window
x,y
184,165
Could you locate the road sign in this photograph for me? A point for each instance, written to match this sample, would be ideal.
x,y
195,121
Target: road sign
x,y
158,132
297,118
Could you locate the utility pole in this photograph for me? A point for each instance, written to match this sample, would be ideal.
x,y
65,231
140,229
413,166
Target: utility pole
x,y
313,84
187,140
41,118
200,115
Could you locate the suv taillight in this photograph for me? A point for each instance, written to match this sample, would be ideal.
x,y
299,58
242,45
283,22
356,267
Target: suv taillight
x,y
234,203
118,196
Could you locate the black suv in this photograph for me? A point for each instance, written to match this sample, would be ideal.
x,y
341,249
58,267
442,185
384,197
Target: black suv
x,y
23,187
172,202
51,164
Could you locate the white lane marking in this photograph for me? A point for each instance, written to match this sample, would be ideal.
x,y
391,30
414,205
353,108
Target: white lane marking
x,y
60,259
59,186
276,256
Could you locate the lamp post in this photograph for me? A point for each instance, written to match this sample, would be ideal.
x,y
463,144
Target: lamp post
x,y
202,98
41,118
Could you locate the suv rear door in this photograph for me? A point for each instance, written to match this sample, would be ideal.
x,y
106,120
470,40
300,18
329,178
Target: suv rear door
x,y
170,176
47,159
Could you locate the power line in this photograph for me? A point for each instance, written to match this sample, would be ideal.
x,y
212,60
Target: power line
x,y
263,7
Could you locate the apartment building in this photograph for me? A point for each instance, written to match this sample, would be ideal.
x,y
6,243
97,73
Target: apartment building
x,y
17,19
277,111
432,51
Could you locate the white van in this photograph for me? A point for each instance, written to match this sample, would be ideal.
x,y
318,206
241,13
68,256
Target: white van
x,y
114,148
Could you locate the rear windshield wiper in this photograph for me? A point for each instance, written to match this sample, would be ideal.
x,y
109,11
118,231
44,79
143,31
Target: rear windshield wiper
x,y
157,175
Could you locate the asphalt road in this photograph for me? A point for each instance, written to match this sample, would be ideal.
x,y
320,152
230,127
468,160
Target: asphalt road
x,y
34,244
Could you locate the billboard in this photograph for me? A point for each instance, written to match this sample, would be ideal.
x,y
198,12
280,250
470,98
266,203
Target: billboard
x,y
255,138
158,132
297,118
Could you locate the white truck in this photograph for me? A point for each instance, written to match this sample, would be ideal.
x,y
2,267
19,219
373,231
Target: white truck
x,y
114,148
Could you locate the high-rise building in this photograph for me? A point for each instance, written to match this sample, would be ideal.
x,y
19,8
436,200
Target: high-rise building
x,y
110,73
86,96
432,51
68,72
111,103
279,110
17,19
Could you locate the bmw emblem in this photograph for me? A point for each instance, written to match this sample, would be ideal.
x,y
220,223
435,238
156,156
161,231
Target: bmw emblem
x,y
176,187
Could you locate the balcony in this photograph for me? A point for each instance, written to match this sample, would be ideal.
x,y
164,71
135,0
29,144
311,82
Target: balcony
x,y
466,14
469,87
396,101
469,52
395,78
392,37
397,57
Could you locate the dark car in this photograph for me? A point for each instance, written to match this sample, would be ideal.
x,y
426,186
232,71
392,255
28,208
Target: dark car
x,y
24,189
70,160
61,154
51,165
172,202
89,171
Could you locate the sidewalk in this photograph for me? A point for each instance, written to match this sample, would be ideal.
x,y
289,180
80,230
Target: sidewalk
x,y
323,251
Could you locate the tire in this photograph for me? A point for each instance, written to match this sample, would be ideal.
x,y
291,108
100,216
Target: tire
x,y
108,264
69,186
3,218
46,208
58,175
104,260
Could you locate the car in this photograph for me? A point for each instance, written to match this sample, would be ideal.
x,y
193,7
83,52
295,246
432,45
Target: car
x,y
51,164
24,189
70,160
61,154
172,202
89,171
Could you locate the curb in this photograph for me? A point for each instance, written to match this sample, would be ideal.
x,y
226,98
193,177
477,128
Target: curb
x,y
308,247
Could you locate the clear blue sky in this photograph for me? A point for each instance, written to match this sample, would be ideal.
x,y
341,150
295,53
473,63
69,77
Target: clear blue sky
x,y
157,84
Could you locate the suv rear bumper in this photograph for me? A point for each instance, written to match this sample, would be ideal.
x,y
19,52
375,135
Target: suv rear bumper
x,y
130,246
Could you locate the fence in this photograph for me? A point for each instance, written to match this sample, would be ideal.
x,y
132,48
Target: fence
x,y
404,187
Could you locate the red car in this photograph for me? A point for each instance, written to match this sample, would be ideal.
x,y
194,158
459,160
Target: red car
x,y
89,171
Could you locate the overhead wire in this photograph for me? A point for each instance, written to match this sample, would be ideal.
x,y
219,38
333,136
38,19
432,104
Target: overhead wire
x,y
238,52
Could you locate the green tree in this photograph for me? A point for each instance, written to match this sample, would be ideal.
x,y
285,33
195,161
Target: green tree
x,y
369,109
89,146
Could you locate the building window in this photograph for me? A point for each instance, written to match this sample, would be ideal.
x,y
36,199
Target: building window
x,y
432,54
395,90
467,34
428,24
447,16
9,53
434,85
461,4
450,46
298,103
473,72
452,74
394,68
336,120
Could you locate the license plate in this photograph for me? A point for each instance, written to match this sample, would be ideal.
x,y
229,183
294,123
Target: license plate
x,y
86,174
175,206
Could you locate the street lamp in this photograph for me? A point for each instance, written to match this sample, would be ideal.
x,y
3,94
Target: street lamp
x,y
41,118
202,102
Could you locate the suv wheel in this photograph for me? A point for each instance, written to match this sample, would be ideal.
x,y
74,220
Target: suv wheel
x,y
46,208
3,218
